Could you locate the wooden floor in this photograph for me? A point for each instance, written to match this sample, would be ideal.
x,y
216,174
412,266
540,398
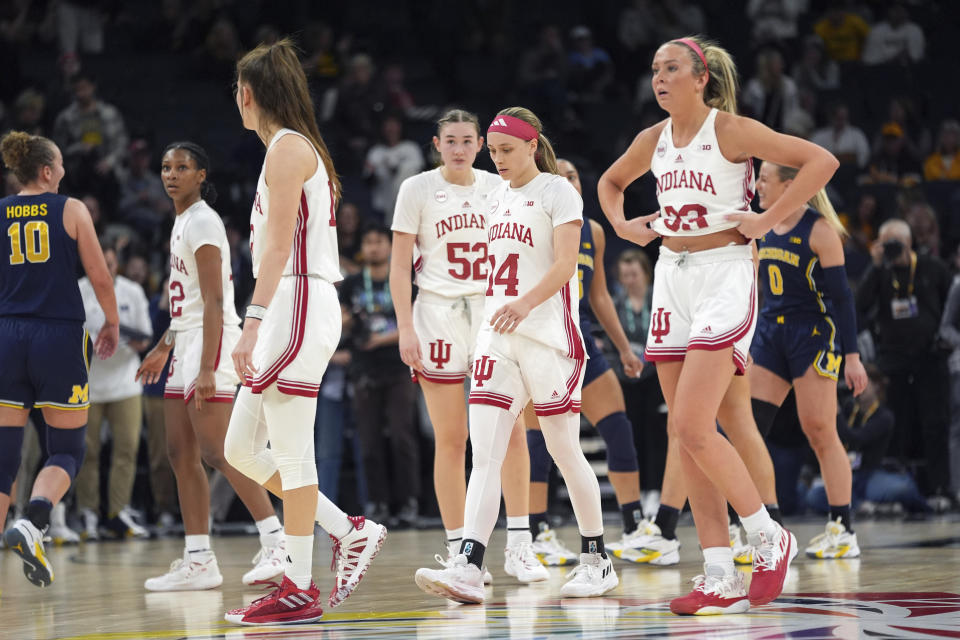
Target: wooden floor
x,y
905,586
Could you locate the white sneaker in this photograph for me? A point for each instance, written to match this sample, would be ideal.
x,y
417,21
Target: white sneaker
x,y
551,551
91,525
834,542
267,564
352,555
594,576
452,553
459,581
646,545
59,532
188,574
522,563
134,528
26,541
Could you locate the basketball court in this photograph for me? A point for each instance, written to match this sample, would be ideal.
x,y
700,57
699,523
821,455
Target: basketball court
x,y
906,585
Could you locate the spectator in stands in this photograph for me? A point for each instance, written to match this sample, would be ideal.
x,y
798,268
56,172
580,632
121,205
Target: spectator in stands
x,y
93,138
901,299
241,263
770,95
892,163
81,22
816,71
944,162
384,395
28,112
323,60
895,40
865,426
681,18
801,120
843,33
332,415
542,75
398,98
916,134
590,68
221,48
775,20
114,396
950,332
348,238
843,139
144,204
925,229
389,163
354,108
637,28
861,225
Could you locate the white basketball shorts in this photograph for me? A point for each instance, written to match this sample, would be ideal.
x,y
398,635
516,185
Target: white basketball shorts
x,y
297,337
703,300
447,329
185,365
509,370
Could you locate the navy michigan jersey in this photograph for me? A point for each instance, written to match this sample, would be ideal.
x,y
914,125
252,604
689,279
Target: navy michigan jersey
x,y
38,273
596,363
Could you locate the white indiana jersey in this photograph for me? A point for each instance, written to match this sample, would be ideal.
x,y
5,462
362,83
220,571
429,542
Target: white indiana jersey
x,y
199,225
696,185
314,251
520,243
449,220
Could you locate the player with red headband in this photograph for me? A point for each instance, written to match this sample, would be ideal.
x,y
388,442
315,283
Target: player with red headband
x,y
704,295
529,348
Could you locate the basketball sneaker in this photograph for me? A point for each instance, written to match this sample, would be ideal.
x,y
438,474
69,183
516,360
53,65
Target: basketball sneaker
x,y
452,551
551,551
352,555
742,552
713,595
459,581
91,525
59,532
771,559
286,604
25,540
123,525
522,563
267,564
594,576
834,542
188,574
646,545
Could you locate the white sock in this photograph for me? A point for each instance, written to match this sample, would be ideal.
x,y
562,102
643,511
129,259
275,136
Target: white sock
x,y
518,536
333,520
299,560
718,561
562,435
454,538
270,531
196,544
759,522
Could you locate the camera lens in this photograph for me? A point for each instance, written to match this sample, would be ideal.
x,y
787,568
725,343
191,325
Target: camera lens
x,y
892,249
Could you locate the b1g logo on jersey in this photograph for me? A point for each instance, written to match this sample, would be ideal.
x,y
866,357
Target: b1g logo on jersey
x,y
483,370
440,353
660,325
440,196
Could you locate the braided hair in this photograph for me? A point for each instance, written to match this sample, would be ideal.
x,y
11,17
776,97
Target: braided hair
x,y
207,191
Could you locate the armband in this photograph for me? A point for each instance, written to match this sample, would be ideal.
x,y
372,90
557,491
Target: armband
x,y
837,288
256,311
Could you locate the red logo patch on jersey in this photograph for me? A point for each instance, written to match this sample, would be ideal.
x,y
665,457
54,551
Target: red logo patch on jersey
x,y
440,195
706,147
661,149
660,325
483,370
528,203
466,205
679,158
440,353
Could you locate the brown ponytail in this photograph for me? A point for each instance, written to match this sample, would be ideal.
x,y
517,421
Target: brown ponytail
x,y
545,157
25,154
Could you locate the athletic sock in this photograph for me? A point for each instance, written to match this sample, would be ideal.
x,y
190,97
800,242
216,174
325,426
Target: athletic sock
x,y
299,560
631,512
843,513
38,512
518,530
197,543
667,518
474,551
758,522
592,544
454,537
774,511
333,520
270,531
538,523
718,561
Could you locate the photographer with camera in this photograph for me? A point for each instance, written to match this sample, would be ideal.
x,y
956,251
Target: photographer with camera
x,y
901,298
384,396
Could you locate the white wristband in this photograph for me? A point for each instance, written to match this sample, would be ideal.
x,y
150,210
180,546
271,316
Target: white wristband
x,y
256,311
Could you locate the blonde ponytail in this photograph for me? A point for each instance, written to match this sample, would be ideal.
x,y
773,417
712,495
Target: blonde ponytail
x,y
545,157
723,83
820,202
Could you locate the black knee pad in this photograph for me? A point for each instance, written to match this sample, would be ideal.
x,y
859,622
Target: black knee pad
x,y
67,448
11,442
540,459
764,413
617,433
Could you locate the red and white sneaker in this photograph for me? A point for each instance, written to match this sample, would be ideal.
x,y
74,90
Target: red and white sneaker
x,y
771,559
713,595
287,604
352,555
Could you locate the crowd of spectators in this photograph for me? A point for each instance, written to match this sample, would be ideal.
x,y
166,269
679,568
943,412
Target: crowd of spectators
x,y
114,83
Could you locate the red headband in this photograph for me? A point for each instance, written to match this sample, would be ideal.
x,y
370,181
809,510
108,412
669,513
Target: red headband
x,y
697,50
513,127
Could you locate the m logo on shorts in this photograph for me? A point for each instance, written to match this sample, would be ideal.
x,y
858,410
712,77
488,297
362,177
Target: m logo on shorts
x,y
80,394
833,362
483,370
660,325
440,353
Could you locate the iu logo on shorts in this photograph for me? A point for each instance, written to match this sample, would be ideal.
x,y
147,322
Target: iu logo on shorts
x,y
440,353
660,325
483,370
